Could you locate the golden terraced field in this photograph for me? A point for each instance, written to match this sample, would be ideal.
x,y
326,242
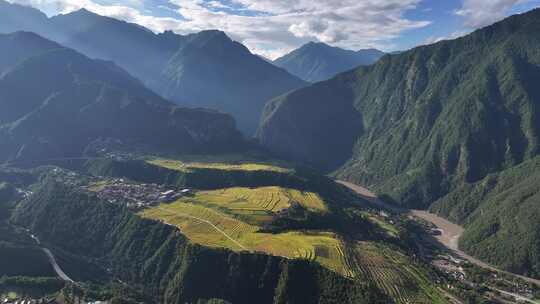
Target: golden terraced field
x,y
257,205
187,166
210,227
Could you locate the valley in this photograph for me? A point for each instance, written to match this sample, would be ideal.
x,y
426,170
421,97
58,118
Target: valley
x,y
147,157
291,223
447,235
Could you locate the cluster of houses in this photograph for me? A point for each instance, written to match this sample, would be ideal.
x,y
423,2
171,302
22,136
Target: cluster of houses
x,y
451,266
138,196
29,301
43,301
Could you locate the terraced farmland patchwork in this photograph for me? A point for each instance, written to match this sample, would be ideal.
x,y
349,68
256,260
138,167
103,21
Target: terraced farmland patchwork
x,y
189,166
213,228
257,204
394,273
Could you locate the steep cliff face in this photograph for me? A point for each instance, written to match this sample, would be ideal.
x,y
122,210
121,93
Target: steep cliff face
x,y
317,125
166,266
431,118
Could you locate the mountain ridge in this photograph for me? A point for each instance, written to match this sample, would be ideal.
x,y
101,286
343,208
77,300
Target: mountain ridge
x,y
77,101
317,61
184,69
430,120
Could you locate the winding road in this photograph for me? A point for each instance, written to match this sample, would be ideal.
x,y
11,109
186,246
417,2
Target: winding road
x,y
52,260
450,232
56,267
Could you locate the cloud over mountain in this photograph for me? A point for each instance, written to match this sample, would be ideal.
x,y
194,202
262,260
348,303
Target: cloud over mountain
x,y
275,27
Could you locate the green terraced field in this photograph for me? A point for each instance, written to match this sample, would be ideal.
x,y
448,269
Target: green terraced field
x,y
394,273
187,166
210,227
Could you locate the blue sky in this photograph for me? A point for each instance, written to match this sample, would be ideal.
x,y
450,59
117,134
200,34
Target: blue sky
x,y
274,27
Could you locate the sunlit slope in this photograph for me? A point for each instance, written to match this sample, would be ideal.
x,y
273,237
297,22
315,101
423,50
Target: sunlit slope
x,y
393,272
189,166
339,233
211,227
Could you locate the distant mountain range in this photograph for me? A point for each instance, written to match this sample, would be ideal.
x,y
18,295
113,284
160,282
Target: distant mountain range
x,y
55,102
315,62
422,124
206,69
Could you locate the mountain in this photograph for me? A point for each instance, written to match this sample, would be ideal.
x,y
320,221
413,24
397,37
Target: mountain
x,y
15,17
423,123
315,62
213,71
205,69
56,102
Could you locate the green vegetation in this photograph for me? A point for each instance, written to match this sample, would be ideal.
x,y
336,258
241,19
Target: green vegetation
x,y
23,260
501,213
202,176
19,255
245,219
190,166
166,266
418,124
435,120
342,205
394,273
379,221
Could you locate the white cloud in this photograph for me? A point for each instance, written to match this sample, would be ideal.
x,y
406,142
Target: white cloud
x,y
478,13
278,25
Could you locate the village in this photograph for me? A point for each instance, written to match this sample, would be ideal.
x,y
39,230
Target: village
x,y
497,286
28,301
45,300
136,196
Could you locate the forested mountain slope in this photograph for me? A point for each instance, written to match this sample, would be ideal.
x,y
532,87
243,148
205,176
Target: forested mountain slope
x,y
420,123
500,214
205,69
457,121
169,268
318,61
56,102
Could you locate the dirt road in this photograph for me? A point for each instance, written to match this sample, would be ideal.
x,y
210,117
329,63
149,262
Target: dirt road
x,y
205,222
450,232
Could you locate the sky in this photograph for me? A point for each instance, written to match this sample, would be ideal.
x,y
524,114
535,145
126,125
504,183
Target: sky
x,y
274,27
